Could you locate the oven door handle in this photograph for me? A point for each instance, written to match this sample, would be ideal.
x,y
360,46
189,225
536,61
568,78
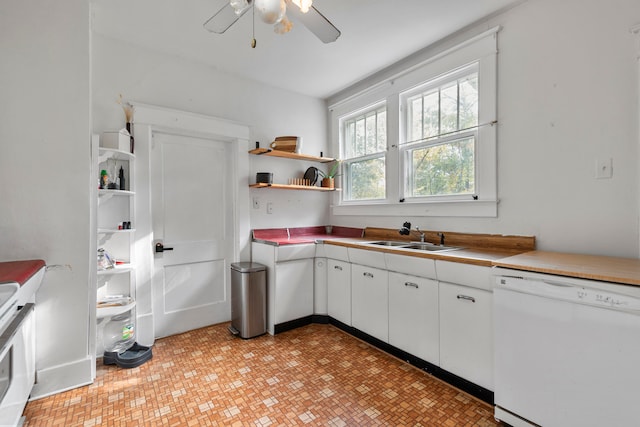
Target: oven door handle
x,y
15,325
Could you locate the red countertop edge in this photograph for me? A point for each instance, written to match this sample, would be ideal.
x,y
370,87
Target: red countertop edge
x,y
299,235
19,271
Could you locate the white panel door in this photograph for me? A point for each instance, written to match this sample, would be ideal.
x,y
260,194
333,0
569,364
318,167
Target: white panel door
x,y
192,209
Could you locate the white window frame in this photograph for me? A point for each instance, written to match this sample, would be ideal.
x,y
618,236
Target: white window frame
x,y
406,146
481,49
346,194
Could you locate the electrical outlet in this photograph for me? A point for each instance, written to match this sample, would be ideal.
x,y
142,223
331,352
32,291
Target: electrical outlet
x,y
604,168
269,207
256,203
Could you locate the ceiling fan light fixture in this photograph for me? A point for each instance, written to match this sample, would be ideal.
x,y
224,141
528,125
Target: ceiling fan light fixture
x,y
304,5
284,26
271,11
239,6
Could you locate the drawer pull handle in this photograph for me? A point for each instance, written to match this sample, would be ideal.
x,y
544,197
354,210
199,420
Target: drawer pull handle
x,y
337,267
466,297
411,284
367,274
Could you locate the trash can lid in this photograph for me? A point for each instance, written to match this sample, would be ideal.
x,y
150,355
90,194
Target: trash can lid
x,y
248,267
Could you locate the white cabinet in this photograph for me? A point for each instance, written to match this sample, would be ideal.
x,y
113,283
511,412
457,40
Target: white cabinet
x,y
466,333
294,290
370,301
413,316
290,274
339,290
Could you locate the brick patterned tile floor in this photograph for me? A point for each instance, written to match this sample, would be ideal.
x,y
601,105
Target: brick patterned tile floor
x,y
316,376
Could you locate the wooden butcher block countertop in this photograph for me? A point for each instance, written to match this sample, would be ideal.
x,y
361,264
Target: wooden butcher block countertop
x,y
595,267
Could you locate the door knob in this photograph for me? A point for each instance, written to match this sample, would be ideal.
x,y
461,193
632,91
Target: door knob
x,y
160,247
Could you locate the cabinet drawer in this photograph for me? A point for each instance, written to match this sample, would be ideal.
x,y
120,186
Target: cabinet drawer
x,y
421,267
465,274
365,257
336,252
291,252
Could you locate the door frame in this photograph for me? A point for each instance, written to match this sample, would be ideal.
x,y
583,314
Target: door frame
x,y
146,120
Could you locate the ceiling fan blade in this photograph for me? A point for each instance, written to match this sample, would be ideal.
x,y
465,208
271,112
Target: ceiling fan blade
x,y
315,22
223,19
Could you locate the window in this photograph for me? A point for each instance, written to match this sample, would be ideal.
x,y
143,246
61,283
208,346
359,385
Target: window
x,y
364,148
438,154
420,140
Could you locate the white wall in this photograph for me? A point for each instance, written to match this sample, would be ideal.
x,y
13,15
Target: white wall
x,y
568,95
44,171
158,79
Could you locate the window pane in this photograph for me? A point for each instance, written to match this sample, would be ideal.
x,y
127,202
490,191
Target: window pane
x,y
349,138
367,179
449,108
370,130
431,115
382,131
445,169
469,102
361,146
414,115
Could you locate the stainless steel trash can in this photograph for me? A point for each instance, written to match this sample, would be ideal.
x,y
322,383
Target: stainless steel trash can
x,y
248,299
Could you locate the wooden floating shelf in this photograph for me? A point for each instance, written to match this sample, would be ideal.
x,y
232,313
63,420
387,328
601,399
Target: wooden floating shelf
x,y
288,155
291,187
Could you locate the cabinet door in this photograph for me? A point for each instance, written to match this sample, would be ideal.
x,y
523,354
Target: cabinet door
x,y
370,301
339,290
294,290
413,316
466,333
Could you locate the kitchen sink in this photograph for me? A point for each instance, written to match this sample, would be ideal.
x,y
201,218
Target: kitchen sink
x,y
430,247
390,243
421,246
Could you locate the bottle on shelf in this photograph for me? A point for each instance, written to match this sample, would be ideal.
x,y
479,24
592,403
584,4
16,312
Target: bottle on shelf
x,y
121,178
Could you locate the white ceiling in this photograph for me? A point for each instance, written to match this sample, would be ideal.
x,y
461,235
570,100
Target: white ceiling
x,y
375,34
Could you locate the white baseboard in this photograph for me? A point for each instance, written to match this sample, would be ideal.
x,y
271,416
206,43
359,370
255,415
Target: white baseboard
x,y
144,332
512,419
62,378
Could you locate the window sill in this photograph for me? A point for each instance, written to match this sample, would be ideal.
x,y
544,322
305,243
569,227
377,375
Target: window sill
x,y
466,208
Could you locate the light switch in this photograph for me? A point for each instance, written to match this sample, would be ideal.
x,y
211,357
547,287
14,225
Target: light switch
x,y
256,203
604,168
269,208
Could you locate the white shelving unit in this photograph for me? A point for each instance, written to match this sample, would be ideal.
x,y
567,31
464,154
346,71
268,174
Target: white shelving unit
x,y
115,207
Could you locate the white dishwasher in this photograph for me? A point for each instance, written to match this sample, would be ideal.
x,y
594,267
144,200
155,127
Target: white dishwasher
x,y
567,351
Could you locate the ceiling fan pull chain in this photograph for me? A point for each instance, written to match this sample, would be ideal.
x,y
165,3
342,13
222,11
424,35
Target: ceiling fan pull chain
x,y
253,25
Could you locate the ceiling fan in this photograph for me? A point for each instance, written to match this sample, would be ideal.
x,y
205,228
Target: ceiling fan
x,y
275,12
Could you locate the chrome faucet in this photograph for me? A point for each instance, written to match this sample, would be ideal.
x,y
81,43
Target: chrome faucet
x,y
406,230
